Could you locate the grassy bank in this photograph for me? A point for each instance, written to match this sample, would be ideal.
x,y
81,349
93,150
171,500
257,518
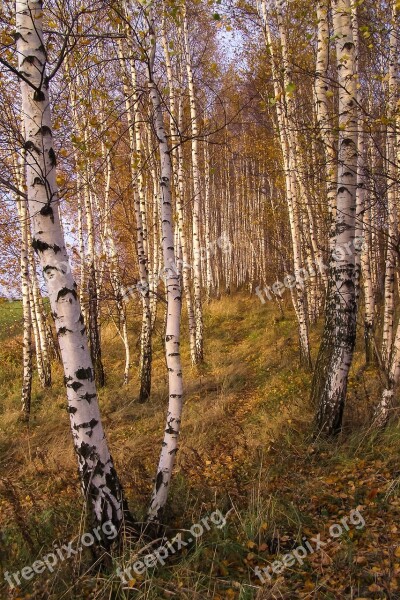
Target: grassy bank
x,y
246,449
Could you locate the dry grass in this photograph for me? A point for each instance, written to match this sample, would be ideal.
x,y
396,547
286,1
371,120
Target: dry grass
x,y
245,447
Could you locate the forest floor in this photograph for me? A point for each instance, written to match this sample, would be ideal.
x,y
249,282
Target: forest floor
x,y
246,450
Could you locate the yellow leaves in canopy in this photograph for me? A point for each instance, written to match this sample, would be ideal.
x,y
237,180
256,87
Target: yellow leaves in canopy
x,y
214,70
6,38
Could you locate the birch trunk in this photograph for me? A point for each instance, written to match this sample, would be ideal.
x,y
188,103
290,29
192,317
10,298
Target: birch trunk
x,y
324,119
92,283
100,483
289,149
132,111
336,352
26,310
115,277
38,320
174,302
176,116
209,275
198,311
392,208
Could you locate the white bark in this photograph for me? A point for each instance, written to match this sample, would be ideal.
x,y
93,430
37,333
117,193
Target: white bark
x,y
99,480
337,347
174,302
133,117
111,253
289,149
392,197
176,115
324,118
198,312
26,309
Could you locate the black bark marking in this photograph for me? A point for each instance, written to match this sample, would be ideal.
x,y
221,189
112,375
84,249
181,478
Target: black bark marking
x,y
38,181
47,211
39,96
342,189
30,146
40,246
170,430
44,130
90,424
72,410
86,451
75,386
52,157
49,268
112,482
88,397
159,480
63,331
64,292
29,59
99,470
84,373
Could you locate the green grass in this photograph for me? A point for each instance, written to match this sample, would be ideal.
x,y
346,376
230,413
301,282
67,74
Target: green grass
x,y
10,318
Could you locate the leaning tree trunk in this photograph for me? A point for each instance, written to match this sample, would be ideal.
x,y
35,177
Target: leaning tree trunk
x,y
174,305
100,483
336,352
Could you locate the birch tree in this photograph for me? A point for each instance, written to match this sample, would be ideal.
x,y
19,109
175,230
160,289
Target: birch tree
x,y
336,352
174,302
197,193
100,483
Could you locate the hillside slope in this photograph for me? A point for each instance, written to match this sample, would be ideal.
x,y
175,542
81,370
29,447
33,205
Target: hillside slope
x,y
246,450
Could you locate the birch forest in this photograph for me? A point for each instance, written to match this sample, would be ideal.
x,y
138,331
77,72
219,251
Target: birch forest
x,y
199,299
